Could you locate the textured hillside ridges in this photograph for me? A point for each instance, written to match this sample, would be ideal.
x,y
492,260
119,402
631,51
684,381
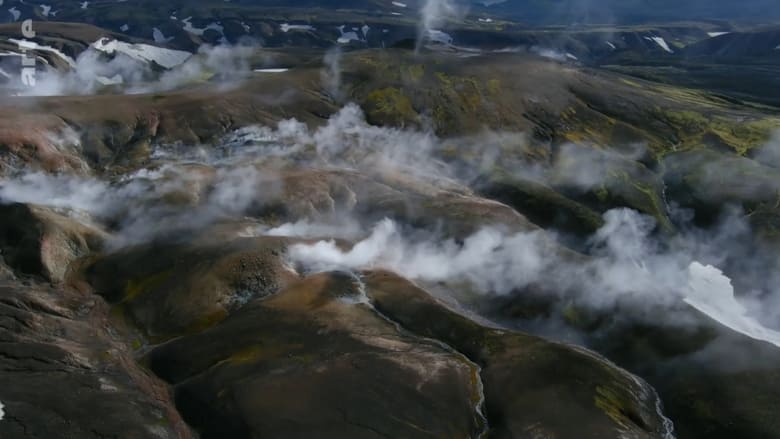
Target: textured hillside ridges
x,y
550,102
186,288
314,354
631,11
311,370
319,334
688,364
169,290
221,284
523,363
68,370
704,55
216,309
40,241
708,63
190,25
317,24
530,11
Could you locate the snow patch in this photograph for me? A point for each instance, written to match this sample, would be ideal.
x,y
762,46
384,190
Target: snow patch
x,y
661,42
285,27
114,80
438,36
711,292
167,58
159,37
547,53
346,37
32,45
200,31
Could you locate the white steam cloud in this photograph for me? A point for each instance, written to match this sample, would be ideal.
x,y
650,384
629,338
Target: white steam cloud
x,y
769,154
489,259
712,293
435,14
94,71
331,74
627,269
140,205
626,266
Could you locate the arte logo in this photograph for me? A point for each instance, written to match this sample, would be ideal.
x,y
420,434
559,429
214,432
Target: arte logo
x,y
28,61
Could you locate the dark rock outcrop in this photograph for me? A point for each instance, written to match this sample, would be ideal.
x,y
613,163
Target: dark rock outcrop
x,y
66,370
41,241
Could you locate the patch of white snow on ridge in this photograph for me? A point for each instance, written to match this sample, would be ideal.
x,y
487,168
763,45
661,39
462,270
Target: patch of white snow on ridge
x,y
286,27
114,80
200,31
167,58
346,37
711,292
661,42
716,34
159,37
32,45
438,36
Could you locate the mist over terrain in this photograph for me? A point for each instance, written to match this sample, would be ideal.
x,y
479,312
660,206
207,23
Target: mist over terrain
x,y
434,218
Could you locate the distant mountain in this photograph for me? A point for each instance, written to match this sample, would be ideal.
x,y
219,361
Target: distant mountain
x,y
739,45
629,11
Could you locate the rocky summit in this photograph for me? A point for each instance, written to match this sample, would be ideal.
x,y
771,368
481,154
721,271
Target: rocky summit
x,y
417,219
